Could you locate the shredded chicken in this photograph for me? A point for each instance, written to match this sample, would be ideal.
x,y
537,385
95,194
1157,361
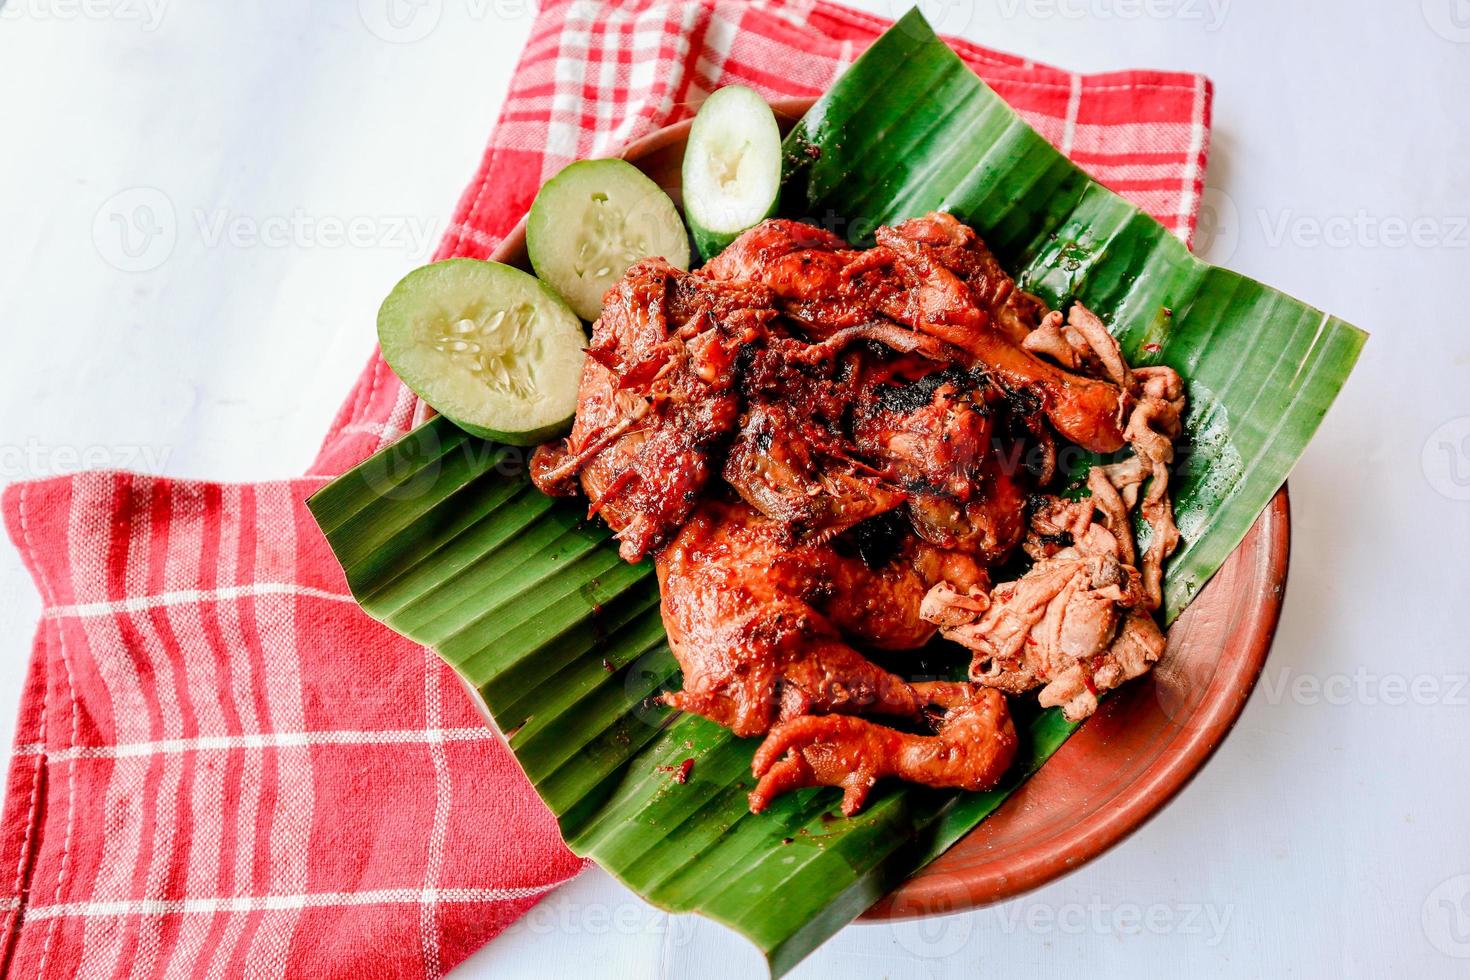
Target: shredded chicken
x,y
1080,622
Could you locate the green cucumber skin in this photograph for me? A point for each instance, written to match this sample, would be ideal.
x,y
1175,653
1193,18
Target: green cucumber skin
x,y
711,243
524,440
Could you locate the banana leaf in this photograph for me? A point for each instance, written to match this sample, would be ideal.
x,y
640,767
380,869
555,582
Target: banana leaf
x,y
443,538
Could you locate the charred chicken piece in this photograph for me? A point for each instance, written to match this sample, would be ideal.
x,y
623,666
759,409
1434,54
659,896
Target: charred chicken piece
x,y
933,428
791,459
941,301
972,747
657,399
929,422
761,623
789,468
934,275
795,457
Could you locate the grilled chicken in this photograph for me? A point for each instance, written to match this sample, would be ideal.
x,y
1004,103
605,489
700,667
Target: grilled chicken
x,y
791,458
805,267
949,274
934,429
762,624
934,275
822,447
657,399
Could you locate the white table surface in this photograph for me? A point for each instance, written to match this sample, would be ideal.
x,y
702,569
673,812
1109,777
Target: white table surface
x,y
1327,838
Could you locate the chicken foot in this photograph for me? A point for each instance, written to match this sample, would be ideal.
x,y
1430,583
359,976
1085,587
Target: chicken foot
x,y
972,748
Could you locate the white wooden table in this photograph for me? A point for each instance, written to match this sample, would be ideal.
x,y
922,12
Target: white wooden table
x,y
298,157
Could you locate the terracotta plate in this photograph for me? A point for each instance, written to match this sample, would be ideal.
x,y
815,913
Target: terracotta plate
x,y
1142,746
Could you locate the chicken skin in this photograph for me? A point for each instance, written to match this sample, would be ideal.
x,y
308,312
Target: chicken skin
x,y
657,398
934,275
761,624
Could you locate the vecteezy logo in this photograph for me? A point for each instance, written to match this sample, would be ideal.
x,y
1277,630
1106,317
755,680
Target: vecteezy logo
x,y
400,21
409,470
1446,917
135,230
1218,231
944,16
1175,693
935,934
1446,458
1450,19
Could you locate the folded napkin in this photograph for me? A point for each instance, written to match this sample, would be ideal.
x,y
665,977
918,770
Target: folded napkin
x,y
223,767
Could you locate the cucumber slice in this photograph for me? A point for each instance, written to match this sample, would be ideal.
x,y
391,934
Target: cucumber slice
x,y
593,220
490,347
732,167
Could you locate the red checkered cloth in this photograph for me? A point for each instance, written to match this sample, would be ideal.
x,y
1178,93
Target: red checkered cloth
x,y
223,767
